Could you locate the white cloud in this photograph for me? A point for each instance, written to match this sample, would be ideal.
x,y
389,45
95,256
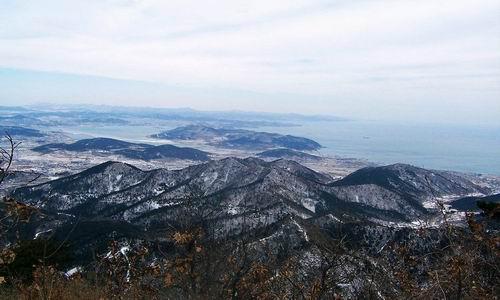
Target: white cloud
x,y
393,52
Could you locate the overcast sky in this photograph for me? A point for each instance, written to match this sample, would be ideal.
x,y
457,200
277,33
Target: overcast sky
x,y
422,60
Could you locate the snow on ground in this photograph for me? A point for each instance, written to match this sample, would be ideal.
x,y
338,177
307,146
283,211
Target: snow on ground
x,y
432,203
301,230
41,232
310,204
73,271
232,209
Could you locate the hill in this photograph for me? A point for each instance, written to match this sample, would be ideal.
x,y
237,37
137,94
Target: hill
x,y
126,149
237,138
21,131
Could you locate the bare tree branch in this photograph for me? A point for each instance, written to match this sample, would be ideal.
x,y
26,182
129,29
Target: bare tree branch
x,y
7,154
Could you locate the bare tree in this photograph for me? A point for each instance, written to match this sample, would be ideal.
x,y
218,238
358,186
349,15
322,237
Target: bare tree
x,y
7,157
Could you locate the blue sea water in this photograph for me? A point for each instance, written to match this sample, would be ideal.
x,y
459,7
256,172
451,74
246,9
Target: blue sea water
x,y
474,149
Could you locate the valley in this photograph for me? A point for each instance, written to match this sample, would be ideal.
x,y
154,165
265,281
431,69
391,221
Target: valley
x,y
278,196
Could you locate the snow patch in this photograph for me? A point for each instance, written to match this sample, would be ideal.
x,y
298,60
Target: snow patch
x,y
301,230
41,232
309,204
67,215
73,271
232,210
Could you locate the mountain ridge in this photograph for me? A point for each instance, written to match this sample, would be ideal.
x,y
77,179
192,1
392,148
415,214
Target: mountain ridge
x,y
287,154
127,149
237,138
123,192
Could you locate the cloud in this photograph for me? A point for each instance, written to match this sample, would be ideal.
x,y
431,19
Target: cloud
x,y
393,52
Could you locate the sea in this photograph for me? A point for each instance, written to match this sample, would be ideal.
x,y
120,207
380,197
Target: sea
x,y
463,148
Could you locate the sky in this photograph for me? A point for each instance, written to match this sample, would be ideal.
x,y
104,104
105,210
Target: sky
x,y
421,60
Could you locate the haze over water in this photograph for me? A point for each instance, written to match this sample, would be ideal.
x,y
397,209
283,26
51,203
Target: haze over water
x,y
451,147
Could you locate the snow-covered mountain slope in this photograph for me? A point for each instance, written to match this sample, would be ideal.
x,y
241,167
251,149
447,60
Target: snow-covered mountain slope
x,y
235,186
68,192
407,180
271,202
236,189
287,154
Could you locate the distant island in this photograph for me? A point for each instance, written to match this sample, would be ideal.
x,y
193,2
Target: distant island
x,y
20,131
126,149
238,138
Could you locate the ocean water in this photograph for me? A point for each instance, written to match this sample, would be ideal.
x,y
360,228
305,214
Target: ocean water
x,y
474,149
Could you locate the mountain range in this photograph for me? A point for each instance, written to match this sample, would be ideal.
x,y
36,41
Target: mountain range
x,y
234,191
237,138
126,149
